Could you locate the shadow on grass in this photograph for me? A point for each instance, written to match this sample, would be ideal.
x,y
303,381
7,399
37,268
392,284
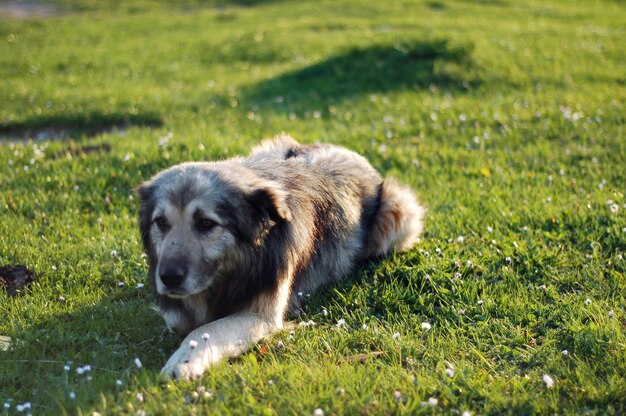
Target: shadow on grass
x,y
107,336
73,125
376,69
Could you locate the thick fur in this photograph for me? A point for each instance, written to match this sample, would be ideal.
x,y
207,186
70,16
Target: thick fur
x,y
231,243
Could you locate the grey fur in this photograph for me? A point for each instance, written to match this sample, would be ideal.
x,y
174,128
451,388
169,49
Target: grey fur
x,y
289,215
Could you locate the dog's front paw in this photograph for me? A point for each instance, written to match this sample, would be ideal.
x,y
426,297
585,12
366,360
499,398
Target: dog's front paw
x,y
188,362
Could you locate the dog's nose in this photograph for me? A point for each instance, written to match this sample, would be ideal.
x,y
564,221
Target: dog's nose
x,y
172,276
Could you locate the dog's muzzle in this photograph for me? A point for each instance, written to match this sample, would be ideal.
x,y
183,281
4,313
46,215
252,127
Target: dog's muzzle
x,y
173,276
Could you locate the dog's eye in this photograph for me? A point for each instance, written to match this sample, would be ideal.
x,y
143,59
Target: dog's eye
x,y
204,225
161,222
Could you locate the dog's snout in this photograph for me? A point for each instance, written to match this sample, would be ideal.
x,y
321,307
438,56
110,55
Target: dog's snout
x,y
173,275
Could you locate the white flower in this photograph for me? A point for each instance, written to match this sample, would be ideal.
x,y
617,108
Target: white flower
x,y
611,313
324,312
193,344
270,382
396,335
564,352
450,372
113,253
120,284
72,395
364,326
542,287
139,397
614,208
7,405
437,250
508,260
341,323
587,301
140,285
397,395
466,413
433,402
280,345
340,391
426,326
489,229
20,408
80,370
163,140
119,382
318,412
138,363
469,263
548,380
66,367
480,301
460,239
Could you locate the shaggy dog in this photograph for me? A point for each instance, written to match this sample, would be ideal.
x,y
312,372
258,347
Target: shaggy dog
x,y
230,243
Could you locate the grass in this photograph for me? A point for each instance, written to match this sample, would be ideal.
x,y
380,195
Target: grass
x,y
506,117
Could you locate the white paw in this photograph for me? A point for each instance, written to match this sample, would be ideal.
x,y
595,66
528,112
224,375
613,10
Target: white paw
x,y
189,361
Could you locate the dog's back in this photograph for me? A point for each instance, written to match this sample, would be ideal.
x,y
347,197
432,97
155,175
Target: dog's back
x,y
353,213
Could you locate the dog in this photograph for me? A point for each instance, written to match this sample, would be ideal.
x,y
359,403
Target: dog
x,y
230,243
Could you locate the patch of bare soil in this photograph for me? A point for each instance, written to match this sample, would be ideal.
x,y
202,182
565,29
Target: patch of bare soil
x,y
15,278
26,9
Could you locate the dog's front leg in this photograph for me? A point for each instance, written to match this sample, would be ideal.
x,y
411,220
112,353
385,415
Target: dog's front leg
x,y
208,344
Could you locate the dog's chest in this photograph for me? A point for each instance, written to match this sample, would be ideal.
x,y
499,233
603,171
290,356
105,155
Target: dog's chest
x,y
186,315
197,308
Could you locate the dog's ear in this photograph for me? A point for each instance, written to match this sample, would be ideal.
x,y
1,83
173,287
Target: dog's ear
x,y
269,202
146,193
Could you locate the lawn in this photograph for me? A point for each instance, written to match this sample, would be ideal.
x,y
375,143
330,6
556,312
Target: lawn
x,y
506,117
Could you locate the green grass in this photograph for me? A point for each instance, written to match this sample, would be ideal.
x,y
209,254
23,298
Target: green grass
x,y
506,117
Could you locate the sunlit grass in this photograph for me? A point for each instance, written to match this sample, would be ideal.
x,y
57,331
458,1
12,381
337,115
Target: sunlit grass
x,y
506,117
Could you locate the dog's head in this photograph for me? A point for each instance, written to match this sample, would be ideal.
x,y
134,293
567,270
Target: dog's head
x,y
199,221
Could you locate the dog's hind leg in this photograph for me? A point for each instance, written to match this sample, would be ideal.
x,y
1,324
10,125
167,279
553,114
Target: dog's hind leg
x,y
399,221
